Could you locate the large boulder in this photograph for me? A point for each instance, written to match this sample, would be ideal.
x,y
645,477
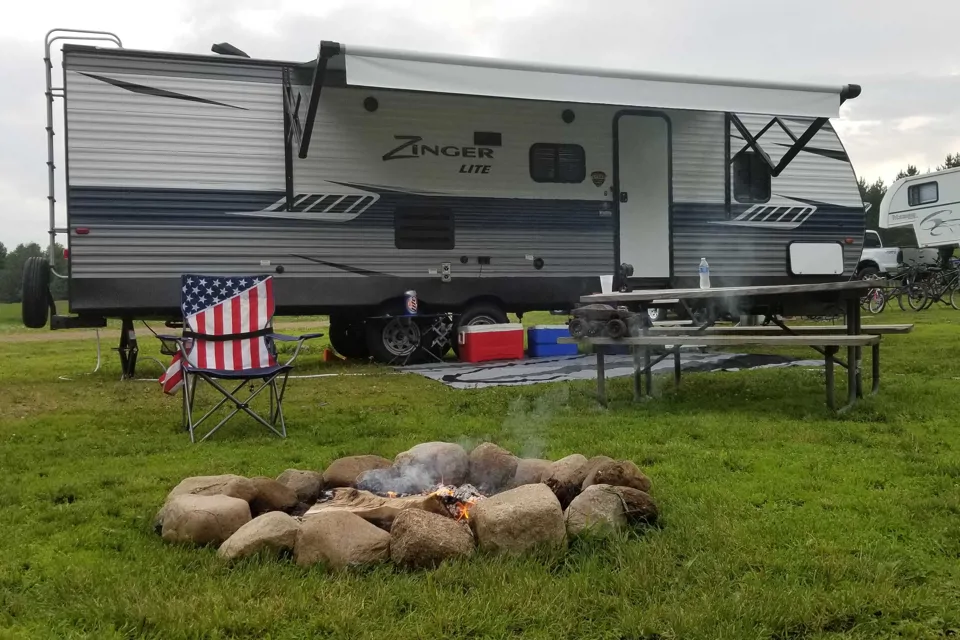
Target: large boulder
x,y
593,464
271,496
618,473
343,472
419,539
340,539
491,468
639,507
519,520
444,462
565,477
274,532
199,519
598,510
306,484
529,471
224,485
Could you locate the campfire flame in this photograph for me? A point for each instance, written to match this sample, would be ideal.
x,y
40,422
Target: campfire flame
x,y
457,500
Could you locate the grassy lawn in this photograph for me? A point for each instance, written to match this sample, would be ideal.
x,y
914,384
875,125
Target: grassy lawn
x,y
779,520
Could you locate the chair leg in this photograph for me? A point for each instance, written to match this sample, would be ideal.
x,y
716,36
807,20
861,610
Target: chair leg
x,y
242,405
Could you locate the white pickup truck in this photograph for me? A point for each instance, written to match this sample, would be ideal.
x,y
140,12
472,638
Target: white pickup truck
x,y
878,259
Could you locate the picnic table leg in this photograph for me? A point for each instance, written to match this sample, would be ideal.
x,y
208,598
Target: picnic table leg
x,y
875,364
601,383
828,370
676,365
855,354
647,373
637,388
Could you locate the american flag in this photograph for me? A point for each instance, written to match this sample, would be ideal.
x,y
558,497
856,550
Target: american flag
x,y
221,306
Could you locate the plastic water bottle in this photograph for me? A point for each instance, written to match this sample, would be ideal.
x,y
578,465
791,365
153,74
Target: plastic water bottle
x,y
704,274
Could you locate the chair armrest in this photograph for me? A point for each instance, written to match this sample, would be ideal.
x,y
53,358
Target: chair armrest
x,y
285,338
163,336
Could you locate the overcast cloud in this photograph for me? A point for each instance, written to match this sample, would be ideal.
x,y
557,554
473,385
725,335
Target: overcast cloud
x,y
904,55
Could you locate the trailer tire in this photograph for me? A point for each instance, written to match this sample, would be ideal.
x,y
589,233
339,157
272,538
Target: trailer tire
x,y
35,298
479,313
348,337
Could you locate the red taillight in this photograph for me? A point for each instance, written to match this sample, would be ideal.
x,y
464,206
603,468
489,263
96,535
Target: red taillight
x,y
66,254
82,231
848,240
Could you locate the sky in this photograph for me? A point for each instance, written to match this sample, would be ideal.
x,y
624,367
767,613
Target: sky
x,y
903,54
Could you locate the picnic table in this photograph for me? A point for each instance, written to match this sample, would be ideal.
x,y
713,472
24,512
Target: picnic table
x,y
827,340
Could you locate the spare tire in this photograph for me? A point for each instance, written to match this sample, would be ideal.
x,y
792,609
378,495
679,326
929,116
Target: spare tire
x,y
35,296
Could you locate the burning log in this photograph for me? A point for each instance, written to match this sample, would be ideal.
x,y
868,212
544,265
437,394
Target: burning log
x,y
379,510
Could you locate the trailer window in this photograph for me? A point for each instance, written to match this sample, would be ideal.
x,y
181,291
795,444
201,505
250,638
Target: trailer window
x,y
925,193
423,228
872,240
751,178
550,162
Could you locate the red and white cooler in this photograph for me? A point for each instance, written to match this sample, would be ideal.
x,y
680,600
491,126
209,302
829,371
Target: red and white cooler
x,y
484,342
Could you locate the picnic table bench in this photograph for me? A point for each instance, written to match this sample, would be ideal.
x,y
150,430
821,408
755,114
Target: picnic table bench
x,y
827,340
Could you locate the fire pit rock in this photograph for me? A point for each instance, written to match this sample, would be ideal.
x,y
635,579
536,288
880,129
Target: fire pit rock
x,y
529,471
340,539
639,506
224,485
271,496
419,539
599,510
491,468
306,484
619,473
199,519
440,462
343,472
593,464
274,532
519,520
565,477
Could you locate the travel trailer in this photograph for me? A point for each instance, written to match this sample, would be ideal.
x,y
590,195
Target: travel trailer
x,y
484,185
929,204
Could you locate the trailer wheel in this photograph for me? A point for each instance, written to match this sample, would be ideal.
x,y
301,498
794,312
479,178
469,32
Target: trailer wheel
x,y
393,340
35,300
480,313
348,337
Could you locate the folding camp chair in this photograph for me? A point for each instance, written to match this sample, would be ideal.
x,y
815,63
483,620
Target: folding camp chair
x,y
228,337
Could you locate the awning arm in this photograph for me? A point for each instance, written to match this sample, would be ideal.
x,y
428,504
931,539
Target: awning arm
x,y
300,132
849,92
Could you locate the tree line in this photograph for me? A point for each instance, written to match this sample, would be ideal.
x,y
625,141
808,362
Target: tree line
x,y
872,194
11,271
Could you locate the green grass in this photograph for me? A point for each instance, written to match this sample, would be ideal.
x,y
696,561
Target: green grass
x,y
779,520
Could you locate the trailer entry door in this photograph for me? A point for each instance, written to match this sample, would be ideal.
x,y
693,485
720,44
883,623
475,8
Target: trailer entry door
x,y
643,171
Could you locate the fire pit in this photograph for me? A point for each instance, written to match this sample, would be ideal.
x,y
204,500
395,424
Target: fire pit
x,y
431,503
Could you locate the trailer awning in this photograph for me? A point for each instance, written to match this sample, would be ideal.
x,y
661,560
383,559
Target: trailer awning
x,y
462,75
389,69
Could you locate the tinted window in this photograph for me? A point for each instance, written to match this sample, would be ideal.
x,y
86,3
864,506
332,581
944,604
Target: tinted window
x,y
423,228
871,241
551,162
751,178
925,193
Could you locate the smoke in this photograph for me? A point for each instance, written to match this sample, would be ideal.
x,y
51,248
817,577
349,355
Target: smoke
x,y
528,421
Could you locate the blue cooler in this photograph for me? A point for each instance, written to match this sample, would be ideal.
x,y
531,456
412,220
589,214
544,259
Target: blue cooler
x,y
542,341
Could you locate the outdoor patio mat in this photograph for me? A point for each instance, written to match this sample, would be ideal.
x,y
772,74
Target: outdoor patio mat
x,y
461,375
